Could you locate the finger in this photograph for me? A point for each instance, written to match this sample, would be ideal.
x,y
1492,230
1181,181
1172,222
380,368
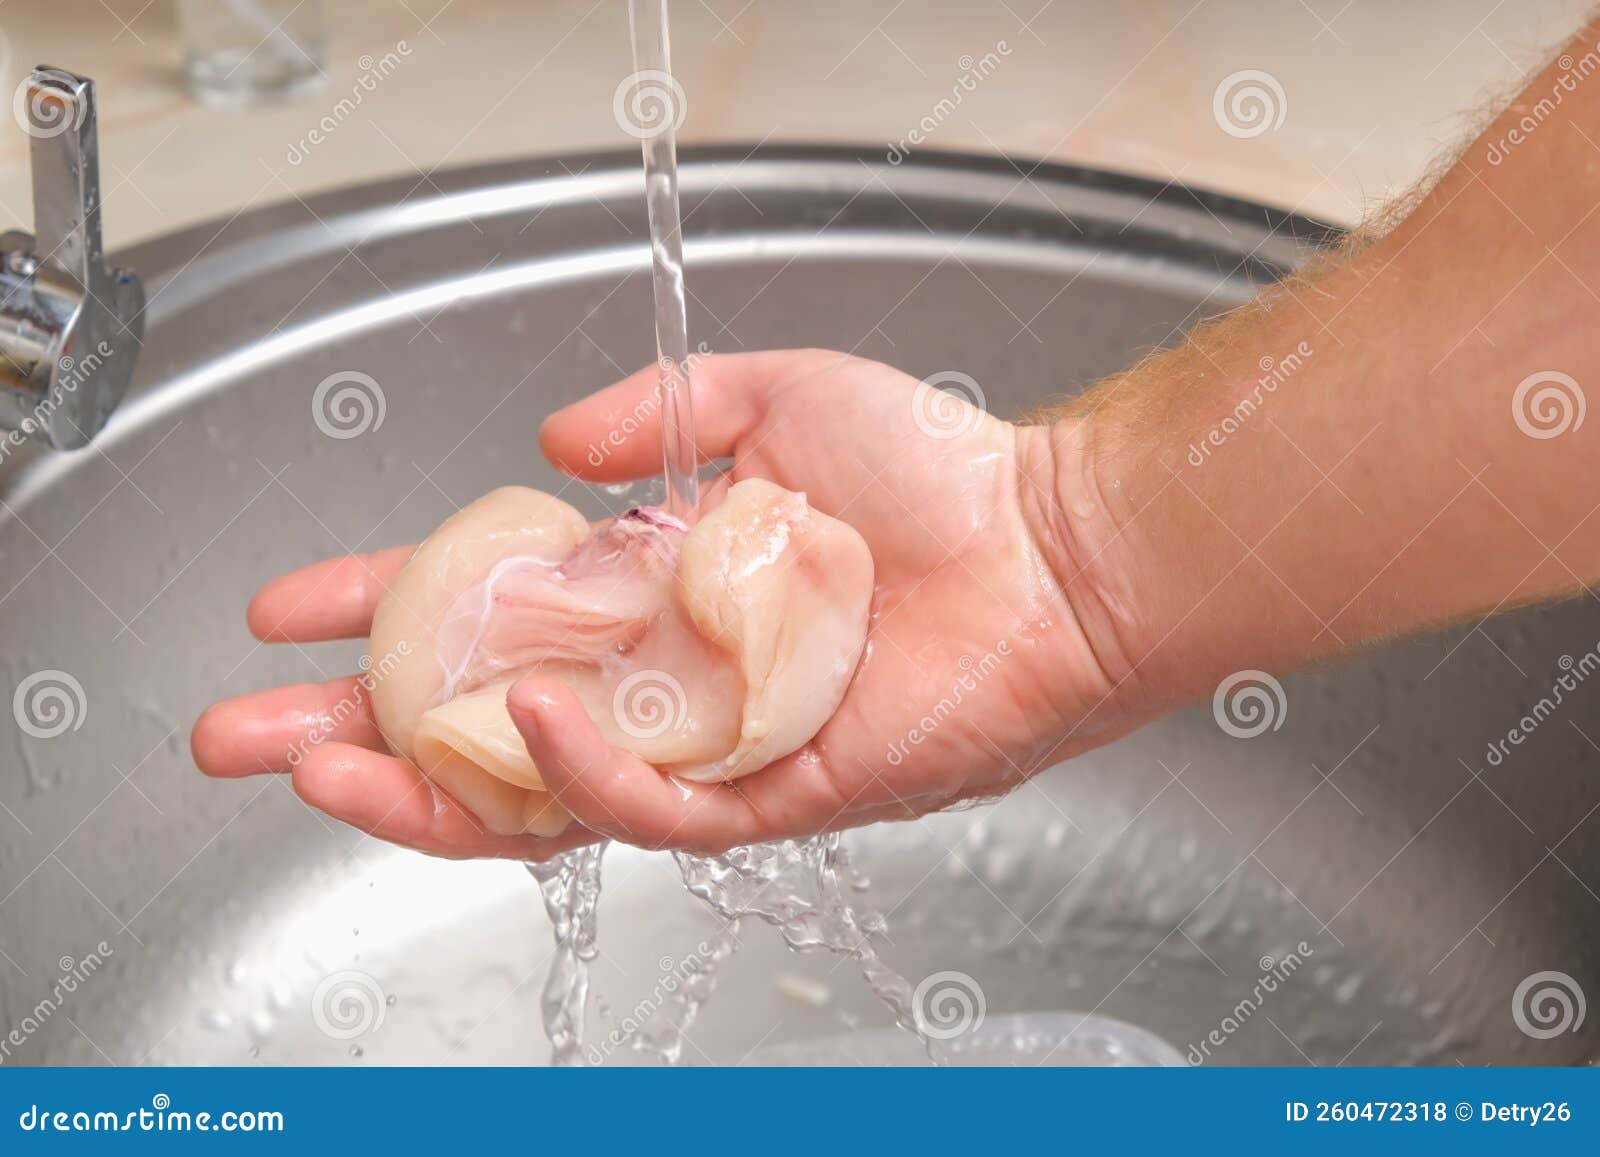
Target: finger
x,y
800,795
389,798
615,434
270,730
333,599
617,794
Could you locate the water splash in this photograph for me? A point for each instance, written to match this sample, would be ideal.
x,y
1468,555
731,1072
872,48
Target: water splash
x,y
799,887
693,990
570,885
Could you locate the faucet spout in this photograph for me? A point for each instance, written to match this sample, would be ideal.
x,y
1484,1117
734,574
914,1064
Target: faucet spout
x,y
70,325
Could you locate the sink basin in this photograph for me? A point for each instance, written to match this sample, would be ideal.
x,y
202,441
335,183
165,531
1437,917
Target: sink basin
x,y
1361,885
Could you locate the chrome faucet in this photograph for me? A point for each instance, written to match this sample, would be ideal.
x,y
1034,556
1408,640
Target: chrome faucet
x,y
70,325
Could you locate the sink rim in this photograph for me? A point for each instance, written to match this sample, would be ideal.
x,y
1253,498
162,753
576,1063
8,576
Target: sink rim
x,y
389,205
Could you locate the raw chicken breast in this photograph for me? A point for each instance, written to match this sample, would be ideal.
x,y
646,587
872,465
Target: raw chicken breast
x,y
708,651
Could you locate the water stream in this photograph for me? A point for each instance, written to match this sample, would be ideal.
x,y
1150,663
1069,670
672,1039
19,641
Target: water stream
x,y
797,886
652,63
570,885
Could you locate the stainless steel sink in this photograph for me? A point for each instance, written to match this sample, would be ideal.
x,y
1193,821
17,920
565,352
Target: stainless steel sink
x,y
1402,891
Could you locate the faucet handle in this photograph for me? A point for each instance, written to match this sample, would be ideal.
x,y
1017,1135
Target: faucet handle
x,y
60,108
70,326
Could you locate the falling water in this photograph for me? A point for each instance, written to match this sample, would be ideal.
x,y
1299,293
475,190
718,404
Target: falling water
x,y
659,103
570,885
797,886
683,1005
792,884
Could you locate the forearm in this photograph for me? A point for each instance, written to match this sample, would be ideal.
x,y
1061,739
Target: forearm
x,y
1351,458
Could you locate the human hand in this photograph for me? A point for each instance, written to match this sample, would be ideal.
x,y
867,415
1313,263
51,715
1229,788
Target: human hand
x,y
979,668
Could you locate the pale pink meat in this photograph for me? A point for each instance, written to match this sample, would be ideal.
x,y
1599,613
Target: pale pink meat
x,y
708,651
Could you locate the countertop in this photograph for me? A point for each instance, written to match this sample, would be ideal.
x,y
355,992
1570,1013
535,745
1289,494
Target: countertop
x,y
1361,93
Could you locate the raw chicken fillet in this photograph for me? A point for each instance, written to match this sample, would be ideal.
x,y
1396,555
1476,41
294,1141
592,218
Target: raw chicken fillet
x,y
708,651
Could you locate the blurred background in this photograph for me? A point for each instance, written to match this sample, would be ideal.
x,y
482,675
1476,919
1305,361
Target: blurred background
x,y
1366,90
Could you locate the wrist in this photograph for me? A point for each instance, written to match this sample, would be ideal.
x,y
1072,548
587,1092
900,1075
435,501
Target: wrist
x,y
1082,527
1169,600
